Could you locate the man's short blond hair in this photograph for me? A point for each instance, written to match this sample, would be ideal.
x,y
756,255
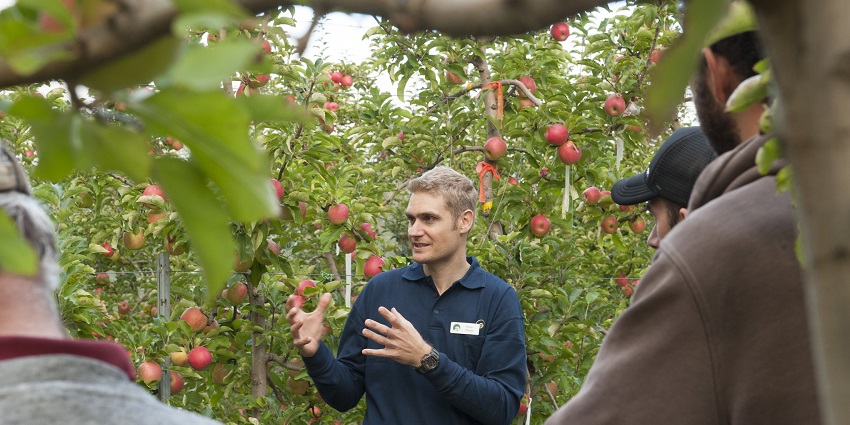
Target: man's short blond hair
x,y
457,190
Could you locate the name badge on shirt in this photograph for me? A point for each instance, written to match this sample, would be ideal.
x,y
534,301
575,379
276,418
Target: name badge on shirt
x,y
465,328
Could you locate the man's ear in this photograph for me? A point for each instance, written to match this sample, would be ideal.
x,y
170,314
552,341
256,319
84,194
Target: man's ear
x,y
719,75
465,221
683,212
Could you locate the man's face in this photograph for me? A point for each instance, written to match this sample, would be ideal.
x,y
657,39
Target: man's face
x,y
717,124
434,235
660,210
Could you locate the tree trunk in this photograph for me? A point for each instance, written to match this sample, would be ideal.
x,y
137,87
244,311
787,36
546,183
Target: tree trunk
x,y
809,45
492,108
259,353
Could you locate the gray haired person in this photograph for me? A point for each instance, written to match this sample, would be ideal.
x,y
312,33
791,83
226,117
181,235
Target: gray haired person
x,y
46,377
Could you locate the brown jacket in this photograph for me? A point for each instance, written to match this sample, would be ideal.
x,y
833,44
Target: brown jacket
x,y
716,332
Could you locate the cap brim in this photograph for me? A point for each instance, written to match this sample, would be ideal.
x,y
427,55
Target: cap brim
x,y
632,190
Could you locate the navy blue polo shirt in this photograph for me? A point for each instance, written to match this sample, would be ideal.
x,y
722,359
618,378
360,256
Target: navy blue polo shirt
x,y
480,379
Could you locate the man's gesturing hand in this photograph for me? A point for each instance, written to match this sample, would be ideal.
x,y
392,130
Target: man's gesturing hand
x,y
306,327
401,340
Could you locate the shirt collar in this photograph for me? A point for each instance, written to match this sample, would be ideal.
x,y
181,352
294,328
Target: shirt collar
x,y
474,277
16,346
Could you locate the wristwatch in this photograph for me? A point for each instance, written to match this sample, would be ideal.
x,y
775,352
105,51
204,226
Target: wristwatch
x,y
429,362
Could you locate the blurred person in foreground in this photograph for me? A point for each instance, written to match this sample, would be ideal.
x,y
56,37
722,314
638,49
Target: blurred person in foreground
x,y
717,332
46,377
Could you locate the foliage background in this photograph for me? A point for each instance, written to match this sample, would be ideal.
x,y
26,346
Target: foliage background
x,y
566,280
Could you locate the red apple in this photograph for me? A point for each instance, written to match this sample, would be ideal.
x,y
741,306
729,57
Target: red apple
x,y
304,284
331,106
123,307
237,293
655,56
346,81
347,243
154,192
495,148
109,251
297,301
267,47
179,358
591,195
102,279
134,240
338,214
637,225
557,134
622,280
569,153
257,81
615,105
196,319
200,358
150,372
366,227
336,77
176,382
512,180
372,266
278,188
523,407
297,386
528,82
401,136
155,215
540,225
525,103
560,31
610,224
273,247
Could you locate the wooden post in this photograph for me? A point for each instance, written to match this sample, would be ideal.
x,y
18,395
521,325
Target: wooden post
x,y
163,304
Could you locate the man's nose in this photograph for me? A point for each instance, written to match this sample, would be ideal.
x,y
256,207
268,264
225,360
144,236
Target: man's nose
x,y
653,240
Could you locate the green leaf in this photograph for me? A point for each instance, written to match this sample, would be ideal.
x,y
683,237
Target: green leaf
x,y
766,155
67,141
216,129
751,91
52,132
115,148
268,108
678,63
139,68
203,68
16,255
224,7
203,216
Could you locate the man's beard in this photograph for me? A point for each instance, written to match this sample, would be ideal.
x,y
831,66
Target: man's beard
x,y
716,123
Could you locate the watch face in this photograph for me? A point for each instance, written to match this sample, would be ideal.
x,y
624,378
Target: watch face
x,y
429,362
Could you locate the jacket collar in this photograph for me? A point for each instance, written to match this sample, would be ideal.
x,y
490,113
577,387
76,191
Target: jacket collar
x,y
474,277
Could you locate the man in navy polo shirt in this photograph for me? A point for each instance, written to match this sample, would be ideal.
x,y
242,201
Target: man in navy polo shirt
x,y
440,341
45,377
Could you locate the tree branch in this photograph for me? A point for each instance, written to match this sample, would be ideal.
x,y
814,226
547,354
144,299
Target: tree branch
x,y
139,22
